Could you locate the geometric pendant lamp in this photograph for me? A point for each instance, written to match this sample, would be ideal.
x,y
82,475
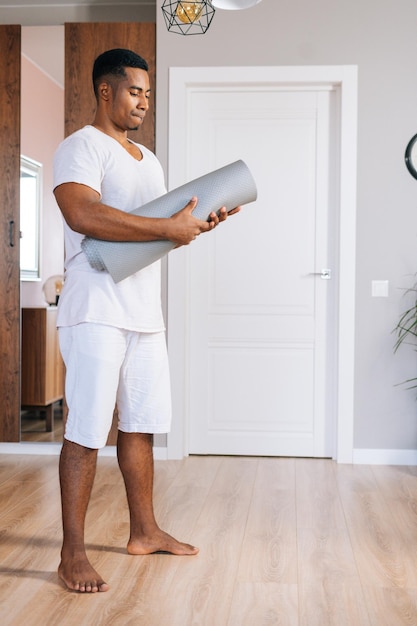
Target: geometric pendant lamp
x,y
193,17
188,18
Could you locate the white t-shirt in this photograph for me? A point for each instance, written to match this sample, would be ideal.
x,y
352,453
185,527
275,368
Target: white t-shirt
x,y
92,158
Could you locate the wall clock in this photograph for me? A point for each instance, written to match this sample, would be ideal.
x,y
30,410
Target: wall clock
x,y
411,156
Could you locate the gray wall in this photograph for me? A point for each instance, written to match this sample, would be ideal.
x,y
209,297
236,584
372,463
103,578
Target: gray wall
x,y
379,37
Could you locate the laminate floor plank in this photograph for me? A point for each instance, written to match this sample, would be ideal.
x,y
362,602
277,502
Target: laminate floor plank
x,y
391,606
269,549
20,524
325,556
178,507
317,496
382,555
31,468
333,604
264,604
398,486
396,481
204,584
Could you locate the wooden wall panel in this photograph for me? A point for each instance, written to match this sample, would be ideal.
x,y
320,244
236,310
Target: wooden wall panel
x,y
83,43
9,233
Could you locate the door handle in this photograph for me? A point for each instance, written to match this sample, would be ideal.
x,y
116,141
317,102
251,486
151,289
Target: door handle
x,y
325,274
11,233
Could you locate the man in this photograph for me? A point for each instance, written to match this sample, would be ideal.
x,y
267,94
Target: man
x,y
112,335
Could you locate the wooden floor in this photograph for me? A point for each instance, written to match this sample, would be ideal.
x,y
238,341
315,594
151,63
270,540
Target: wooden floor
x,y
283,541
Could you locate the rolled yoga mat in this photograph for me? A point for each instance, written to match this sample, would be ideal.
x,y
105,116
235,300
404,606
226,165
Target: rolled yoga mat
x,y
229,186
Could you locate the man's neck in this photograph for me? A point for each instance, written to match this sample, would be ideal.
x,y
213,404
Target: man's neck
x,y
120,137
109,129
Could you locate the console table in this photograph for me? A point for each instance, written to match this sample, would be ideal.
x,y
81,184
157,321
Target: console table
x,y
42,368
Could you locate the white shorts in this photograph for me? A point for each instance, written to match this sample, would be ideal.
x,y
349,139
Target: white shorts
x,y
108,366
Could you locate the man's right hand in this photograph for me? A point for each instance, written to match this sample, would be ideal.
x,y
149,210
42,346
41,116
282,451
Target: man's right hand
x,y
187,227
184,227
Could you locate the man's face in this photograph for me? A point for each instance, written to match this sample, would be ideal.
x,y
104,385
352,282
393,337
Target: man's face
x,y
130,99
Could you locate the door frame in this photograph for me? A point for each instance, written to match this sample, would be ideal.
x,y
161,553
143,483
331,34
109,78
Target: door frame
x,y
343,78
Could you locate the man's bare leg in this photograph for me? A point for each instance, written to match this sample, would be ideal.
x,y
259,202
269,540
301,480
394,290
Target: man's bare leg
x,y
77,468
135,456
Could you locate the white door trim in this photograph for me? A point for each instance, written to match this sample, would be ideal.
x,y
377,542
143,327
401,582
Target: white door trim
x,y
344,78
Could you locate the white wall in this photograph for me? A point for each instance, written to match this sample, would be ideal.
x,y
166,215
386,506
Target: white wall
x,y
379,37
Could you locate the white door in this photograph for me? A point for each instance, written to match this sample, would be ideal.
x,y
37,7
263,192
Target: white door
x,y
261,290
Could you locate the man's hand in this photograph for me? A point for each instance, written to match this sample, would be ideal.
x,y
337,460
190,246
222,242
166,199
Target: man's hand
x,y
222,215
186,227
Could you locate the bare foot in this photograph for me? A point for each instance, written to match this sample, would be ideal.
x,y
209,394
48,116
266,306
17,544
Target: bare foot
x,y
79,575
160,542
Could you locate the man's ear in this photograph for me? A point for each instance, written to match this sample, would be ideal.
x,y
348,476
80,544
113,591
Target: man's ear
x,y
104,90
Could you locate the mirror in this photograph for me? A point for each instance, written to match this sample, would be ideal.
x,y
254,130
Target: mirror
x,y
42,129
30,212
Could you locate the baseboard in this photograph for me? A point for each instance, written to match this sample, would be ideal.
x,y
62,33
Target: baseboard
x,y
41,448
47,448
363,456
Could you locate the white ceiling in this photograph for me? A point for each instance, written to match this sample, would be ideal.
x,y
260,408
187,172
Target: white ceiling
x,y
12,4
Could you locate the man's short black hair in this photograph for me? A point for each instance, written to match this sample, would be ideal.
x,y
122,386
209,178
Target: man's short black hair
x,y
113,62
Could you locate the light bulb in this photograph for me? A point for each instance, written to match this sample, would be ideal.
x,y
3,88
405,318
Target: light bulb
x,y
189,12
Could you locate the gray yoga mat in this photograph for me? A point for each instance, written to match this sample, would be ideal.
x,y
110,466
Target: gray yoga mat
x,y
229,186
